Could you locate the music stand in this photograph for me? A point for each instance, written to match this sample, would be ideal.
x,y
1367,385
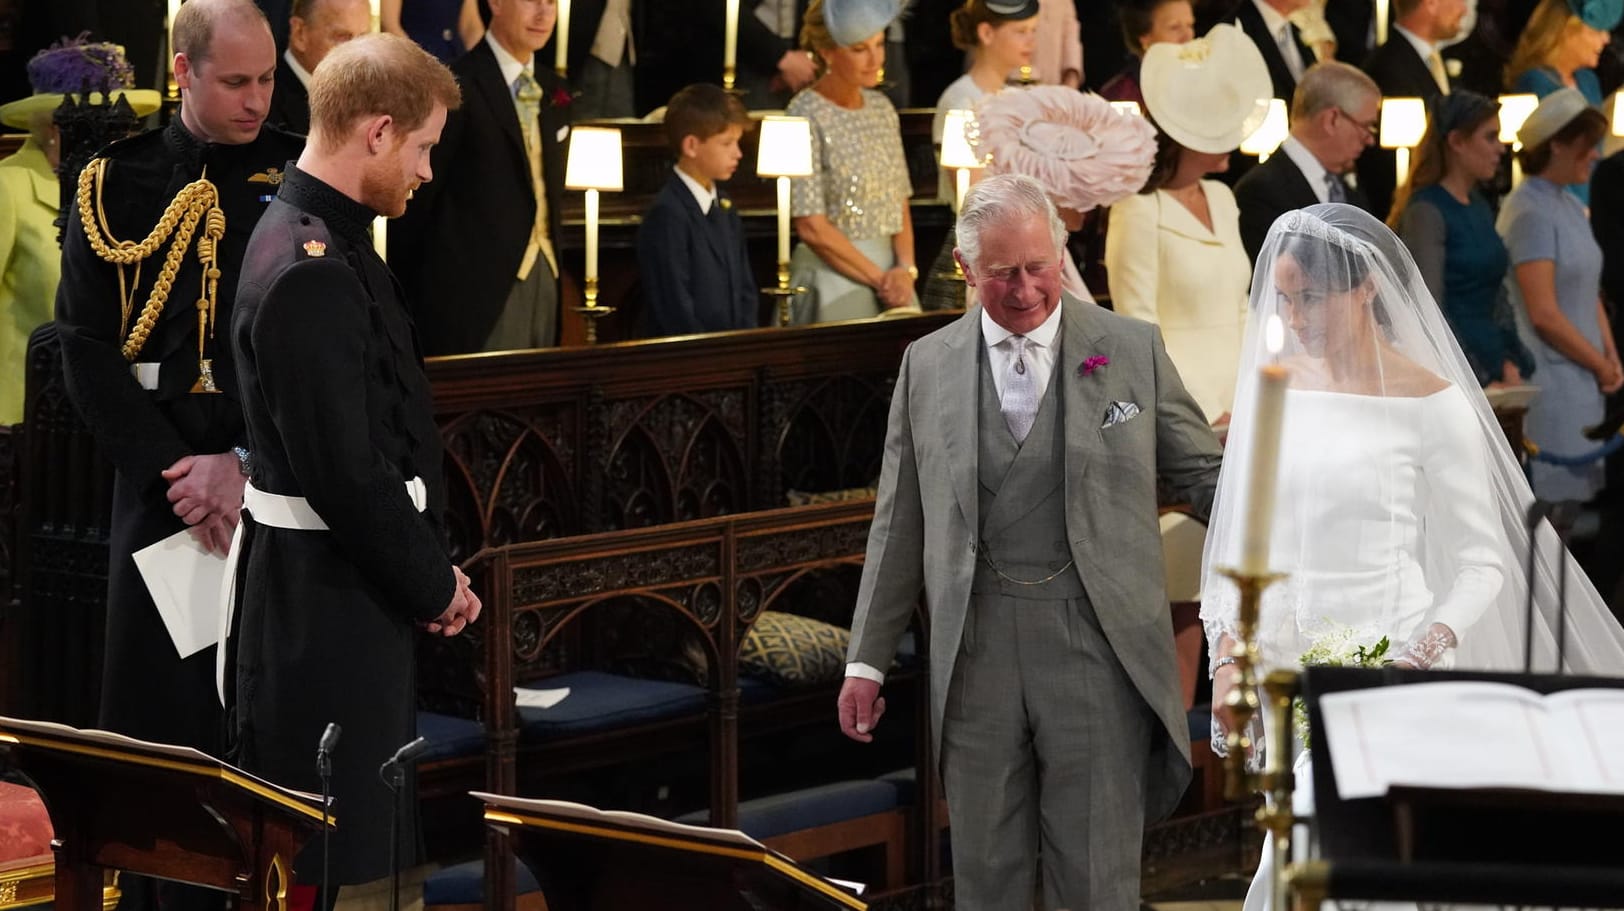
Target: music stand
x,y
590,859
1490,846
159,810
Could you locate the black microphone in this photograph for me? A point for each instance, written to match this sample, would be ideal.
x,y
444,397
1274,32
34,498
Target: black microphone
x,y
1537,512
324,768
329,739
407,753
393,773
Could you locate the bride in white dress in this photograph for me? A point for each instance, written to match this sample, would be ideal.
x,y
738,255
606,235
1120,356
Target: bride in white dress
x,y
1399,511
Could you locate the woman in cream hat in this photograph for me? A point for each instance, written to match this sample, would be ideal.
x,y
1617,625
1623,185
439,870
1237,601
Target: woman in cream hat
x,y
1554,285
1173,253
30,260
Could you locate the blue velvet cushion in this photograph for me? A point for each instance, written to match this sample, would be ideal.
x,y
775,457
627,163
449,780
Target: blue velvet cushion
x,y
464,884
600,701
906,781
450,737
779,814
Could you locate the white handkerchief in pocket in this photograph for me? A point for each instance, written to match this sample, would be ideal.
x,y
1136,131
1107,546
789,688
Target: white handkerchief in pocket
x,y
1119,413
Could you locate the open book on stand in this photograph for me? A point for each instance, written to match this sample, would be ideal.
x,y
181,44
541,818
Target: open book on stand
x,y
1474,735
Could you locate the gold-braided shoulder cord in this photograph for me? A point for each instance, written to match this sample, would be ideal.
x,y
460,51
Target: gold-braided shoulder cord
x,y
197,201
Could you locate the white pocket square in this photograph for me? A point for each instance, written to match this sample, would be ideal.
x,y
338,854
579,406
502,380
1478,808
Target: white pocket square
x,y
1119,413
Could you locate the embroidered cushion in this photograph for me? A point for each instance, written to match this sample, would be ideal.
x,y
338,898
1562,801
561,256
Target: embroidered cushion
x,y
792,650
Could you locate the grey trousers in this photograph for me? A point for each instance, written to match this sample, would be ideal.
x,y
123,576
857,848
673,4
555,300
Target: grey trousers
x,y
1044,748
529,318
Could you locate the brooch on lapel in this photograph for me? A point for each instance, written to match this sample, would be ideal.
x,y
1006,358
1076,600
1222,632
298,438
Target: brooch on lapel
x,y
315,248
727,204
1093,363
272,176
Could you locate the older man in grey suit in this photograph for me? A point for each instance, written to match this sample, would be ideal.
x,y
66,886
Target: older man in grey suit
x,y
1019,492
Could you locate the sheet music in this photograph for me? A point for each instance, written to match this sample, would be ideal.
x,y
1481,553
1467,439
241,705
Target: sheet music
x,y
1474,735
184,580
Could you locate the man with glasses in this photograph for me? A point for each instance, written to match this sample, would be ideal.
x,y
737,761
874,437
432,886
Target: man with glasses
x,y
1335,114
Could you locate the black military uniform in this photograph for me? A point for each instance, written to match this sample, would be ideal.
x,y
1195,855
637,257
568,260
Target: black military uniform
x,y
148,691
339,415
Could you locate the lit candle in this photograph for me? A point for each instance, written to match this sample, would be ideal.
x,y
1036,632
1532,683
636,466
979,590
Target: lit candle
x,y
380,237
1381,20
591,234
1260,481
730,37
562,30
783,219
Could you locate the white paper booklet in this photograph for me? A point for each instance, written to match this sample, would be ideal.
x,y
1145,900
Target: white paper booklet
x,y
1475,735
526,698
184,580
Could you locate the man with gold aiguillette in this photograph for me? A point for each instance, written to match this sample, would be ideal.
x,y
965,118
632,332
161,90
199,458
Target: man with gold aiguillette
x,y
150,258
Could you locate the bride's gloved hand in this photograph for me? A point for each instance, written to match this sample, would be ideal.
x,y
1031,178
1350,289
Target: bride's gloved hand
x,y
1428,648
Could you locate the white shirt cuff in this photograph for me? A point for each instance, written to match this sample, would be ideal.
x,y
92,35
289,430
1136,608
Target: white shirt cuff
x,y
859,669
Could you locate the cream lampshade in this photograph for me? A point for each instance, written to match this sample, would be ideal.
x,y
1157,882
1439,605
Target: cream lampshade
x,y
1404,122
957,153
1514,109
594,165
1270,133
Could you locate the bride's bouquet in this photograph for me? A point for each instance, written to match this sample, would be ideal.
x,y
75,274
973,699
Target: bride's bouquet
x,y
1338,648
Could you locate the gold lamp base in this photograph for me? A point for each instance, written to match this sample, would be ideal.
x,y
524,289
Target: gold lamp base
x,y
784,292
592,311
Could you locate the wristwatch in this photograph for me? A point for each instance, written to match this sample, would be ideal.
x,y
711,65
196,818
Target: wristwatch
x,y
242,459
913,271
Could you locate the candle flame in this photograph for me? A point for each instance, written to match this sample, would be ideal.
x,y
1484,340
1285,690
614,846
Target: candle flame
x,y
1274,334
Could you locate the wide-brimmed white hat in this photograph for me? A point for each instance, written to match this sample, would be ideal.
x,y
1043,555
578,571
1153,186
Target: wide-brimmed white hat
x,y
78,68
1555,111
1210,94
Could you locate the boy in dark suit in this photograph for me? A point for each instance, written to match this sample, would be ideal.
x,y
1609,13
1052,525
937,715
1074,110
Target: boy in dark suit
x,y
696,272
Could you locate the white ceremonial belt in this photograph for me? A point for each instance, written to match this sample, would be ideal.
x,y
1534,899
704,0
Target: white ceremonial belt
x,y
277,511
295,513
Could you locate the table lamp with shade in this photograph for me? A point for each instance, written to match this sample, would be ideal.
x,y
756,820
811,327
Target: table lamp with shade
x,y
1270,133
958,154
594,165
1514,109
1403,124
784,150
1613,115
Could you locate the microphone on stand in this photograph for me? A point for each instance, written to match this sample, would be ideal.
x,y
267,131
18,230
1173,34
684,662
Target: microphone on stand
x,y
324,768
1537,511
393,773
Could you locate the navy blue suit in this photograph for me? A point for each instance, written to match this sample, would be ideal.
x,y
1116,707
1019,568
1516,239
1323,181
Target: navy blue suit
x,y
696,272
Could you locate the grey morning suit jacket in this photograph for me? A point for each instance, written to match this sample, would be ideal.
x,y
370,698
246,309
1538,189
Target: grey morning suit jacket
x,y
926,524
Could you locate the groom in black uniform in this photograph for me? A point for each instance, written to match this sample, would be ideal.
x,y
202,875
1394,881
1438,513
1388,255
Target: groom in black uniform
x,y
343,555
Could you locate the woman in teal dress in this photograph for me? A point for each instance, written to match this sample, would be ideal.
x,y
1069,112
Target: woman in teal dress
x,y
1559,48
1448,226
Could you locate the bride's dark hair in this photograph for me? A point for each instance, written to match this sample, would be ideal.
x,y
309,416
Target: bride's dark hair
x,y
1340,267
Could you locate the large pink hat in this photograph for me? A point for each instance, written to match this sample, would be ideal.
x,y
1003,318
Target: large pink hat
x,y
1083,151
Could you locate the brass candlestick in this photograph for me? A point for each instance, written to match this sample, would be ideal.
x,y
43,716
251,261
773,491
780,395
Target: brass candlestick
x,y
592,311
1276,781
784,292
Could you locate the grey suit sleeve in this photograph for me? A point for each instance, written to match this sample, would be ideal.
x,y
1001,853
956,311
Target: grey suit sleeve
x,y
1187,451
893,570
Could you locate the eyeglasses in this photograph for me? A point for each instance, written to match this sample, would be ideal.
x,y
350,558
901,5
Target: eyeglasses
x,y
1371,127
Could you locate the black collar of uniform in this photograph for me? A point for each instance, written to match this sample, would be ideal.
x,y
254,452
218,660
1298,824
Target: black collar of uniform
x,y
198,152
343,215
